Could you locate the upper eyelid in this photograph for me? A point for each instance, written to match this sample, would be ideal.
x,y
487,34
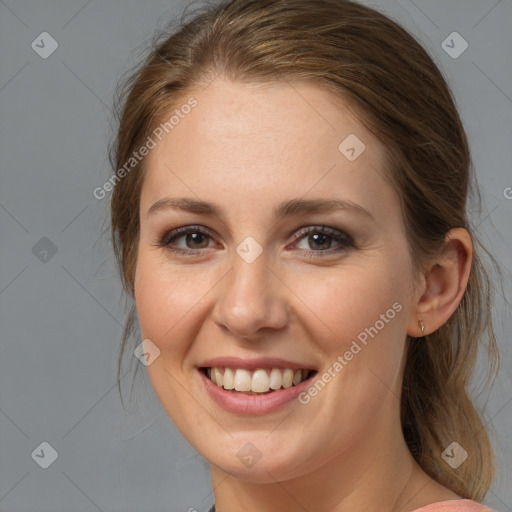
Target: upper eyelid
x,y
184,230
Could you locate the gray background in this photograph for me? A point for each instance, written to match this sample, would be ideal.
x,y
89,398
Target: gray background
x,y
61,314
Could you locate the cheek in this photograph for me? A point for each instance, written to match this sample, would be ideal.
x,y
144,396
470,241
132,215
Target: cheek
x,y
359,313
168,302
347,301
168,307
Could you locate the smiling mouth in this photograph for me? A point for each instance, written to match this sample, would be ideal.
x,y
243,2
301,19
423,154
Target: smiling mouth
x,y
256,382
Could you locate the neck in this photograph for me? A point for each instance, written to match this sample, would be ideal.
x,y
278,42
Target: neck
x,y
378,469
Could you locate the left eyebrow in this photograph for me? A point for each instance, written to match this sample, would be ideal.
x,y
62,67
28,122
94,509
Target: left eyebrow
x,y
309,206
293,207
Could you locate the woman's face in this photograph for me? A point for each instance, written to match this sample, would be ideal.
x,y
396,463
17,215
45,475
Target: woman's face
x,y
268,280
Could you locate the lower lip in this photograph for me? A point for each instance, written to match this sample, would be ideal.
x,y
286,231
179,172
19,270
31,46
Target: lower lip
x,y
251,405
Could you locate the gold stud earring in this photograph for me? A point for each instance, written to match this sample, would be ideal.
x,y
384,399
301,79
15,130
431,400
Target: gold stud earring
x,y
422,327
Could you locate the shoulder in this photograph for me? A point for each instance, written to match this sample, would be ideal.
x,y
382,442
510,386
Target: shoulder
x,y
455,506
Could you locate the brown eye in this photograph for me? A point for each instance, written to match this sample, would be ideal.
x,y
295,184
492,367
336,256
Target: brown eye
x,y
317,241
196,240
186,240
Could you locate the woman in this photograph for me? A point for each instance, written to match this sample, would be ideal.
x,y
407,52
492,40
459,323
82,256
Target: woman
x,y
289,216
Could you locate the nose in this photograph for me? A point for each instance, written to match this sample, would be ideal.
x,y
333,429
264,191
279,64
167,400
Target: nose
x,y
252,299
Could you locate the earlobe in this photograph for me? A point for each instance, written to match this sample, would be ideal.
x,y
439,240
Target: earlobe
x,y
422,327
445,283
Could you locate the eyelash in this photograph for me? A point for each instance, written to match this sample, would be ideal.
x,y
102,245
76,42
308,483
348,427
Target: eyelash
x,y
336,235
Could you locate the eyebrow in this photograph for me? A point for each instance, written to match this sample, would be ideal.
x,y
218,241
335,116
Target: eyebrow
x,y
285,209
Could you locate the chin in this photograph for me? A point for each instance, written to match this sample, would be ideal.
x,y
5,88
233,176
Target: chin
x,y
262,462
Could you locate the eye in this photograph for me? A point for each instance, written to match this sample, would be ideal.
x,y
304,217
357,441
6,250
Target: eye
x,y
186,240
321,239
311,241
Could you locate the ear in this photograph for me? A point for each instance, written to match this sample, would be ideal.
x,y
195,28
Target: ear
x,y
444,284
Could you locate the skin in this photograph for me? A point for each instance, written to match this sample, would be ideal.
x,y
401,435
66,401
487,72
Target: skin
x,y
247,148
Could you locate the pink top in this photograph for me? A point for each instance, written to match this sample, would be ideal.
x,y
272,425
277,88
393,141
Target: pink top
x,y
454,506
445,506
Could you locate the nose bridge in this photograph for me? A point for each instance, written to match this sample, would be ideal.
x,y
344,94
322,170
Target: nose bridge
x,y
252,296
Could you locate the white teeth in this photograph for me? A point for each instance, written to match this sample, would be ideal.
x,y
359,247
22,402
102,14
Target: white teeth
x,y
276,379
229,379
260,381
287,378
217,377
243,380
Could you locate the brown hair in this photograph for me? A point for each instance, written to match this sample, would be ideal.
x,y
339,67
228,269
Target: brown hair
x,y
367,59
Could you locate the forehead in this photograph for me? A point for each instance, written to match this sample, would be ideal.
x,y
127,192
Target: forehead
x,y
243,142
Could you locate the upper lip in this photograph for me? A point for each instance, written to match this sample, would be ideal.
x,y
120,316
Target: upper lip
x,y
253,363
